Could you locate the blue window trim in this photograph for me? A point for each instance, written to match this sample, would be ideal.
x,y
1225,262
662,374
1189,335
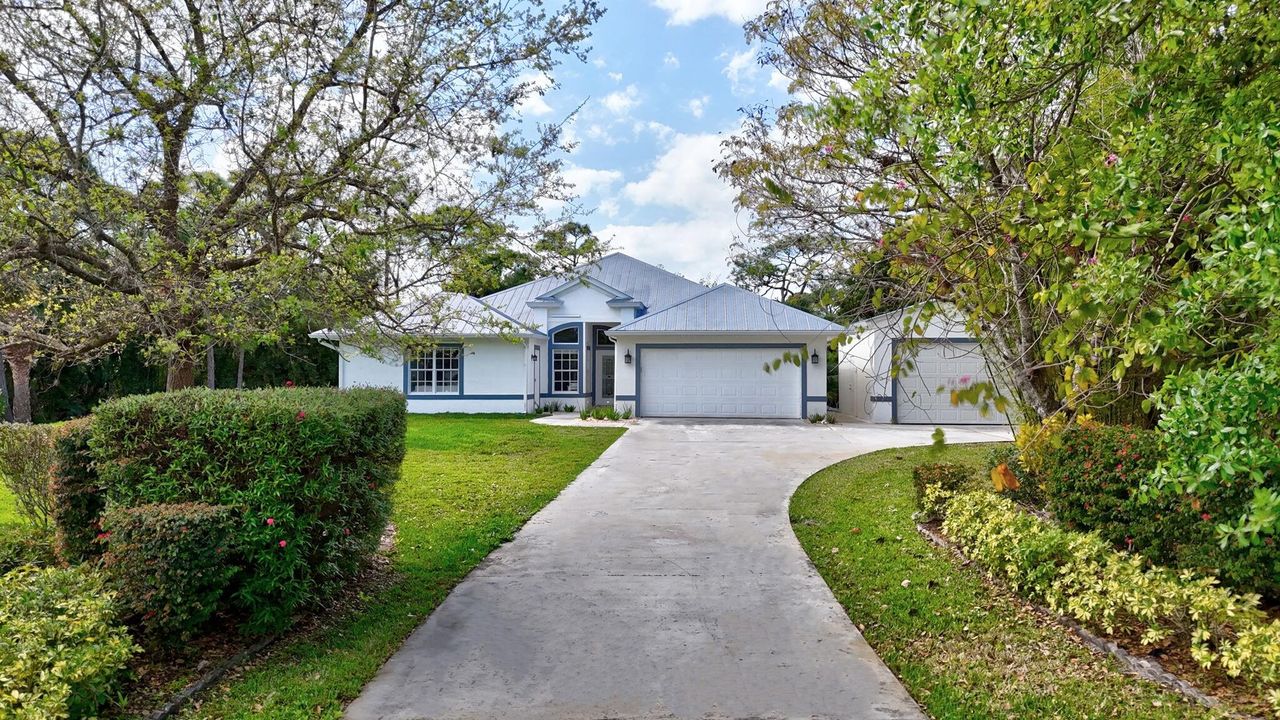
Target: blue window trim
x,y
552,346
466,397
804,370
893,353
460,395
625,398
595,352
816,398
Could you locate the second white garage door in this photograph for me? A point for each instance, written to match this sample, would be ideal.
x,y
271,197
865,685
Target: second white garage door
x,y
945,364
717,382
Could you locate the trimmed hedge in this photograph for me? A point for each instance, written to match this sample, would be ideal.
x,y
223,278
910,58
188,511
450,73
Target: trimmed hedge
x,y
78,500
61,648
170,565
310,470
1093,477
1080,575
26,455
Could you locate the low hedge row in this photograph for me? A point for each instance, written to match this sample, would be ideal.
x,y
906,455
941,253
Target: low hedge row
x,y
1080,575
302,477
1093,477
61,649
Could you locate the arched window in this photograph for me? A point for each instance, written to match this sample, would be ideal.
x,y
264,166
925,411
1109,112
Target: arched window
x,y
566,336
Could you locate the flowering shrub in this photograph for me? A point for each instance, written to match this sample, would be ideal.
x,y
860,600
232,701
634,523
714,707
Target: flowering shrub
x,y
170,563
26,455
1029,489
61,648
1080,575
935,485
310,469
1094,479
77,494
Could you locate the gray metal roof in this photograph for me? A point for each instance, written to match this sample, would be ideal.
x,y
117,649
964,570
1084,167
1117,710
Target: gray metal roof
x,y
651,285
728,309
450,315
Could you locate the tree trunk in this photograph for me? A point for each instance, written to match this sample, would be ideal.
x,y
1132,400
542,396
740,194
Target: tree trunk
x,y
4,390
182,373
210,369
21,356
240,370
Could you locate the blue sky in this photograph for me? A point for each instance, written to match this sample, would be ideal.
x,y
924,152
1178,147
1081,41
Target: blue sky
x,y
662,86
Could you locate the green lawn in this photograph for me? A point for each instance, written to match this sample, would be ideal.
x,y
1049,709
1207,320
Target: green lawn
x,y
9,508
469,483
962,647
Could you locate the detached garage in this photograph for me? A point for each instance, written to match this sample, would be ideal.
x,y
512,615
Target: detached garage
x,y
945,357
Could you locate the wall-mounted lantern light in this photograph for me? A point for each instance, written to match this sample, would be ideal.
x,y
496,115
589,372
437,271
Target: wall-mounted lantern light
x,y
814,357
534,357
626,359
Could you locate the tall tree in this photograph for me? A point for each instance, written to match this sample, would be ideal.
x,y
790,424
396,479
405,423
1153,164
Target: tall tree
x,y
192,159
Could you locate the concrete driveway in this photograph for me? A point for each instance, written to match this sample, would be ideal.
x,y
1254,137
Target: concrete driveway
x,y
665,582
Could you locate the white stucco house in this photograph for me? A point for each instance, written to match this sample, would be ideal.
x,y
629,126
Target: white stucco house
x,y
617,331
944,355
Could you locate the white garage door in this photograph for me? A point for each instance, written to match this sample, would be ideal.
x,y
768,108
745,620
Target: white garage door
x,y
717,382
947,365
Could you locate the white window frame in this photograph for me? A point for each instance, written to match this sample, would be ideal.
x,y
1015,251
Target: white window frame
x,y
436,371
566,380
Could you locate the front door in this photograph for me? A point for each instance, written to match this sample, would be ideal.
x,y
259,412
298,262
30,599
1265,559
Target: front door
x,y
604,378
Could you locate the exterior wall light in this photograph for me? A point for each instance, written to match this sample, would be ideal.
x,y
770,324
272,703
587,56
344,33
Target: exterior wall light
x,y
626,359
814,357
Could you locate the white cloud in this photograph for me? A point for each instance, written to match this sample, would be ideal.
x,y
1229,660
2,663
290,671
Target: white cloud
x,y
588,180
600,134
671,61
741,68
700,221
659,130
698,105
684,12
615,76
621,102
609,207
778,81
598,62
533,102
683,177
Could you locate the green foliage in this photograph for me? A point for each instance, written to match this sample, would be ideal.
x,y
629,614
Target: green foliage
x,y
310,468
26,457
61,648
1222,427
170,565
78,500
25,545
1080,575
1094,479
936,484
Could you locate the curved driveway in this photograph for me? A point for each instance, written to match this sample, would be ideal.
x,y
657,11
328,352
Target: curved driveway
x,y
665,582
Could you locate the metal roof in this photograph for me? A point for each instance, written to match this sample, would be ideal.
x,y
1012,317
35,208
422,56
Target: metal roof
x,y
452,315
728,309
651,285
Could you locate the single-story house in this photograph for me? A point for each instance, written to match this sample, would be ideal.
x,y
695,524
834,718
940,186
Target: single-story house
x,y
616,331
944,355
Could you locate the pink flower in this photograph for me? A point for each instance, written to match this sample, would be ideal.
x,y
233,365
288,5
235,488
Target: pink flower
x,y
288,383
827,149
346,531
283,543
1205,516
302,415
1186,217
965,379
1112,160
901,185
1129,541
271,521
1093,260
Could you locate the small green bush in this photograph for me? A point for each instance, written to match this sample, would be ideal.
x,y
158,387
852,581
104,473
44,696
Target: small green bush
x,y
935,484
25,545
1094,479
170,564
61,649
310,468
1080,575
26,457
78,500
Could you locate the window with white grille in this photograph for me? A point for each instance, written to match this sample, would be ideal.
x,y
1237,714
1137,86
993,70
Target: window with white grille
x,y
564,371
436,371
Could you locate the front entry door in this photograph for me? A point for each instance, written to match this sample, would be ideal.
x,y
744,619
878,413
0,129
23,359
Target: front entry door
x,y
604,378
